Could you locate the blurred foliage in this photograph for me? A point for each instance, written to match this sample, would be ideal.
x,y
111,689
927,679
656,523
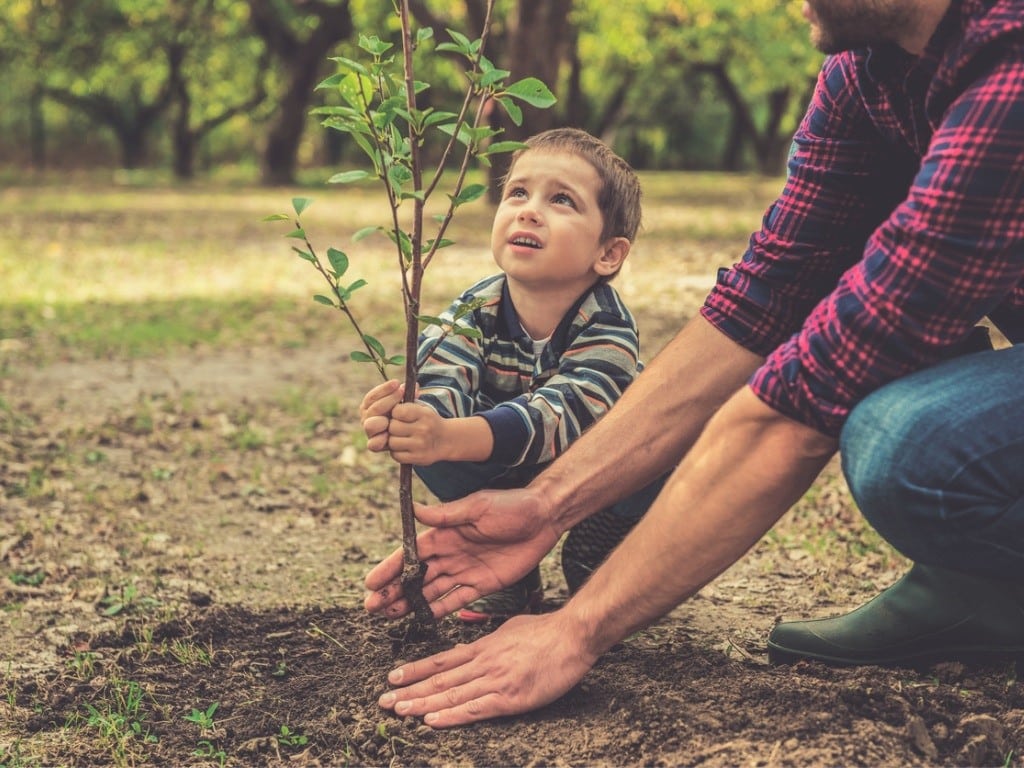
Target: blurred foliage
x,y
103,83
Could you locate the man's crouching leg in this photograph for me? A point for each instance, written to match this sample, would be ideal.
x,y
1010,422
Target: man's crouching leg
x,y
935,461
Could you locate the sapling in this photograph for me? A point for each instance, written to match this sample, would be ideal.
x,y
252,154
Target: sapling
x,y
379,111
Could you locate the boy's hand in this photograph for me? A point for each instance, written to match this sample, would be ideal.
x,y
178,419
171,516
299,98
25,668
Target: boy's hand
x,y
416,435
375,413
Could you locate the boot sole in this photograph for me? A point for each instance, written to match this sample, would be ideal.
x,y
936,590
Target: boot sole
x,y
778,655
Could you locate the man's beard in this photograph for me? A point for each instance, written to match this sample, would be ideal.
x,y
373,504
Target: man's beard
x,y
858,23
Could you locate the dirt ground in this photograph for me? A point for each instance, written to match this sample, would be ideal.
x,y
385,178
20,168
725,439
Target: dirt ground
x,y
182,543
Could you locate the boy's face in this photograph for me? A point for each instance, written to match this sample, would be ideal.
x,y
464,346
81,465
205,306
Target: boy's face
x,y
547,229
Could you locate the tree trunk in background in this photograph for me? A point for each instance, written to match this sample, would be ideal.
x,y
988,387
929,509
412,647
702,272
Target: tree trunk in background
x,y
37,129
303,60
538,44
768,145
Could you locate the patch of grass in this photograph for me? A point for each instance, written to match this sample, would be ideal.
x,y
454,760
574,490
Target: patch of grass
x,y
190,654
119,720
139,269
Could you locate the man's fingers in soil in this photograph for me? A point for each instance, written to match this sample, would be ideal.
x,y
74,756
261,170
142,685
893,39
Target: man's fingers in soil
x,y
441,681
387,572
385,599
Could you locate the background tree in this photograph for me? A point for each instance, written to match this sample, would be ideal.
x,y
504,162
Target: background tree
x,y
696,84
710,78
529,38
213,53
301,37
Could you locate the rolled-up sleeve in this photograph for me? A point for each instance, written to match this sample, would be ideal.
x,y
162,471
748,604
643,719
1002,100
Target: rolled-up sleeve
x,y
896,292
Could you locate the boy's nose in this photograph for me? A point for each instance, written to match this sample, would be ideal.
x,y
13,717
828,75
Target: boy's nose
x,y
528,213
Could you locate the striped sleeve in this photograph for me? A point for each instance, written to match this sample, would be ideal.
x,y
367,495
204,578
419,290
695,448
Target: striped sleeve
x,y
452,370
585,373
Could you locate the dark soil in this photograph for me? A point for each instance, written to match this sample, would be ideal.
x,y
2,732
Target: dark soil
x,y
656,700
185,537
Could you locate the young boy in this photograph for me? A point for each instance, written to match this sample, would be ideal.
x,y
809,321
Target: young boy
x,y
557,349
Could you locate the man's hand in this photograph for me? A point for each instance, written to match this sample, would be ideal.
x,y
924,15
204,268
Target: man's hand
x,y
526,663
475,546
375,413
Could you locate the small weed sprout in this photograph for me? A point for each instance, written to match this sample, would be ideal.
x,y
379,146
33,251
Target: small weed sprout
x,y
286,737
27,578
380,111
127,600
203,718
205,748
83,665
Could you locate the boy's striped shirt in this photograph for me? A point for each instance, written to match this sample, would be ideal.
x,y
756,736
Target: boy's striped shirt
x,y
535,405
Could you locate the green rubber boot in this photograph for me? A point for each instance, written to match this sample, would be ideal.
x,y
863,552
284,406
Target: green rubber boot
x,y
929,615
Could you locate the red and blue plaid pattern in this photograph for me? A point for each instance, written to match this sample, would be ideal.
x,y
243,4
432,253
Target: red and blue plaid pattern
x,y
901,224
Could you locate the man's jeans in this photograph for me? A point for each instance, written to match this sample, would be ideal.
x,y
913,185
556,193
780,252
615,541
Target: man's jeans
x,y
450,480
935,461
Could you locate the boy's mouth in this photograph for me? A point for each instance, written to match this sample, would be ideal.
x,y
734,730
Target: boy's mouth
x,y
526,241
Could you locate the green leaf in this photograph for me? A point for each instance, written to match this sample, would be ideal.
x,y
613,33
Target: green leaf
x,y
355,286
321,299
351,64
348,177
305,254
300,204
373,344
438,117
423,34
493,77
469,333
331,82
466,307
430,320
339,261
357,90
505,146
465,135
397,176
364,233
277,217
461,40
298,234
361,357
395,360
470,193
374,45
533,92
515,114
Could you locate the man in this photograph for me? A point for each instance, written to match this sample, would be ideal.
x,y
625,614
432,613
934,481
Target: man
x,y
849,324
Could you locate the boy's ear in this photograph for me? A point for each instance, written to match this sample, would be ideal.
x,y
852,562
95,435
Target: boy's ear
x,y
613,254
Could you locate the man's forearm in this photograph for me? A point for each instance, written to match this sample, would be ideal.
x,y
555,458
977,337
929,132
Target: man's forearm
x,y
651,427
748,467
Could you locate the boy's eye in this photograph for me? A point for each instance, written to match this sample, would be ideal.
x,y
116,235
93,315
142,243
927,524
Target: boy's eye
x,y
563,199
515,192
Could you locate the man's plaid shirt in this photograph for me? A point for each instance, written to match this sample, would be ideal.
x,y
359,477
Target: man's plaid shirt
x,y
536,405
901,224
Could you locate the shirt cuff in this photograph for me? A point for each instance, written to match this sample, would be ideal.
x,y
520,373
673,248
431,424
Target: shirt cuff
x,y
511,434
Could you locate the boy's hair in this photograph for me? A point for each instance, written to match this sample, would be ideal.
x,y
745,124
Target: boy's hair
x,y
619,196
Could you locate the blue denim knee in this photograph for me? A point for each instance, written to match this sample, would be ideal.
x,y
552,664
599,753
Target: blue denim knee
x,y
935,461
